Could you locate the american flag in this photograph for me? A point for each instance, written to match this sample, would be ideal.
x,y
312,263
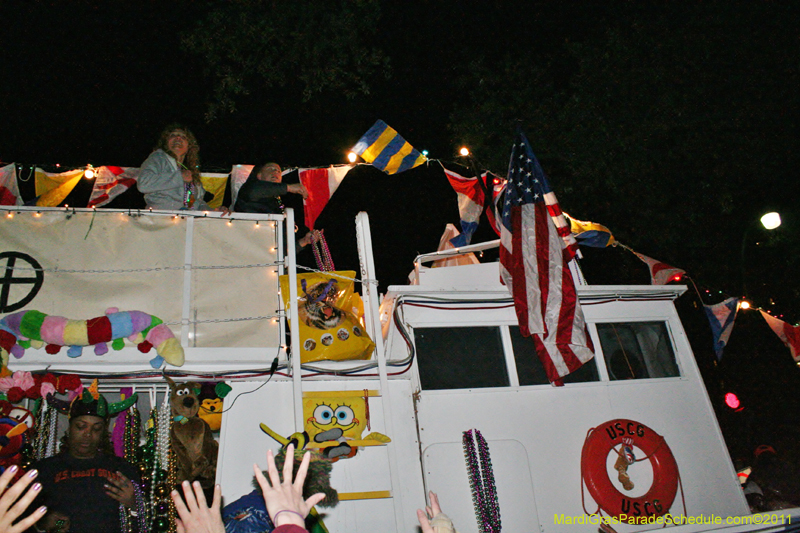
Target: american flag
x,y
535,246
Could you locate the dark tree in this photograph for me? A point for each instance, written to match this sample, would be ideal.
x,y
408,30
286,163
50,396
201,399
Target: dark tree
x,y
249,46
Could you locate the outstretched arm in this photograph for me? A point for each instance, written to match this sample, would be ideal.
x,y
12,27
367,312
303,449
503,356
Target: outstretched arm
x,y
284,499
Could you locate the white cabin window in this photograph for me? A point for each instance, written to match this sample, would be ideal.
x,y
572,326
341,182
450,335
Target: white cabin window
x,y
637,350
530,370
460,358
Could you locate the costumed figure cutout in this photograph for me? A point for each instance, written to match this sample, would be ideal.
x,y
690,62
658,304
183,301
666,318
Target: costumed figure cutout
x,y
192,442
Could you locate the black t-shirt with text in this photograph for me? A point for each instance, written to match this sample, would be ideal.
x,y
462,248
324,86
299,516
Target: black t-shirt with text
x,y
75,487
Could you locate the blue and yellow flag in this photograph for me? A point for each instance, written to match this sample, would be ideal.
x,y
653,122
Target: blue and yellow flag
x,y
385,149
590,233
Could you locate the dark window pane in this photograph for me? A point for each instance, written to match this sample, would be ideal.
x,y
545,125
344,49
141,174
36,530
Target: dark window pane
x,y
530,369
460,358
637,350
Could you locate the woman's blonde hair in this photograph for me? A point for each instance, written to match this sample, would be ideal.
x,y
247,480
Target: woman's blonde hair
x,y
192,159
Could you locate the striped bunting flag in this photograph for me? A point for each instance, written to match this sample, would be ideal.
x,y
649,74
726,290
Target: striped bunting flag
x,y
721,316
790,335
387,150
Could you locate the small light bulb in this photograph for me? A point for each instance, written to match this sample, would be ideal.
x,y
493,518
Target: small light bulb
x,y
352,157
744,304
89,174
464,151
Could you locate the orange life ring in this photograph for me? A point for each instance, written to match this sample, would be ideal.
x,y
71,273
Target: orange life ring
x,y
600,441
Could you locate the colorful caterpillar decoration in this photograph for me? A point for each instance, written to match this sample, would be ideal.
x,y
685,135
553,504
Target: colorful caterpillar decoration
x,y
34,328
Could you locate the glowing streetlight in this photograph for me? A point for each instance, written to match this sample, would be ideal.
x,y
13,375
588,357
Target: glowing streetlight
x,y
771,220
352,157
464,151
89,173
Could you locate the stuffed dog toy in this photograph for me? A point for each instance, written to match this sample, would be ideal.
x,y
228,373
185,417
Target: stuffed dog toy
x,y
192,442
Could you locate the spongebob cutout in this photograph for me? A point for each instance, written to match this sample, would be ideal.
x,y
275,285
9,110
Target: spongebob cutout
x,y
334,423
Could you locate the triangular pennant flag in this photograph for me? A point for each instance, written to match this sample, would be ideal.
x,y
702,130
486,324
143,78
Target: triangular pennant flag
x,y
471,200
661,273
51,189
721,317
215,184
239,174
387,150
790,335
110,182
9,191
321,183
590,233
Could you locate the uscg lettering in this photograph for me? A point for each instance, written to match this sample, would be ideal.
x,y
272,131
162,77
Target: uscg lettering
x,y
636,507
625,428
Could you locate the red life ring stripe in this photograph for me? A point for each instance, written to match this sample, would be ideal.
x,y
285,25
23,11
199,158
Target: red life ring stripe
x,y
599,442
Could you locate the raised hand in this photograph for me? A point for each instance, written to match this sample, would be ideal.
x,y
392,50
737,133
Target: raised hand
x,y
9,510
198,517
284,499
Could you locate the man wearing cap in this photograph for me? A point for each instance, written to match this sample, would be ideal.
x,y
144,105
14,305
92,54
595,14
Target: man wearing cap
x,y
85,487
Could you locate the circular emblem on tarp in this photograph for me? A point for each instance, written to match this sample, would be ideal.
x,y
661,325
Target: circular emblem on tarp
x,y
18,270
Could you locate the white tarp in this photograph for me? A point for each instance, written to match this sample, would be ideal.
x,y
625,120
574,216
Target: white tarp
x,y
91,261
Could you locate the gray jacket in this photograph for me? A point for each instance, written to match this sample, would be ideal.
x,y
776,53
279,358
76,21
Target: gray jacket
x,y
161,182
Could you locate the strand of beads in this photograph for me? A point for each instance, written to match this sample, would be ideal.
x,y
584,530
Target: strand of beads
x,y
130,439
490,489
160,489
474,476
172,481
52,427
322,254
148,465
42,429
481,481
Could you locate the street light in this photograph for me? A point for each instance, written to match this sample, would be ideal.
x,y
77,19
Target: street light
x,y
769,221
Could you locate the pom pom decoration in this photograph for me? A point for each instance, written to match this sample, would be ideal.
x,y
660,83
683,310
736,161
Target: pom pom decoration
x,y
34,328
21,385
15,395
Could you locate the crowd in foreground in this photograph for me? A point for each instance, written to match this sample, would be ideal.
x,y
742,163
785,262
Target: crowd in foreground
x,y
283,497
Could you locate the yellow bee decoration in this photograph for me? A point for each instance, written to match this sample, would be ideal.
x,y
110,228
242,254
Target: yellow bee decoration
x,y
334,422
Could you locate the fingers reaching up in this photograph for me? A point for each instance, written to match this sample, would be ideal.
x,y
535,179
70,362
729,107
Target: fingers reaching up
x,y
284,499
12,506
195,516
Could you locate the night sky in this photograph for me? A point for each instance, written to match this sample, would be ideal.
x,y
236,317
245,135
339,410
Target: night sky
x,y
94,82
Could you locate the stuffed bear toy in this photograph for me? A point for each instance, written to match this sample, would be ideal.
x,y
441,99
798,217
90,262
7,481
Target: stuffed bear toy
x,y
191,439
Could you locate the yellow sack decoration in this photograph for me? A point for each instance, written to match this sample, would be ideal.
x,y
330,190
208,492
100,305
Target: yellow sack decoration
x,y
329,311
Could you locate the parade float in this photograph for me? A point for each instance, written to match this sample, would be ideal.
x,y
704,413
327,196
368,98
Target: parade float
x,y
433,386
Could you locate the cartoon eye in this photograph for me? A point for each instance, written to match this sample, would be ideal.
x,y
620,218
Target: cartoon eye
x,y
323,414
344,415
22,416
182,392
